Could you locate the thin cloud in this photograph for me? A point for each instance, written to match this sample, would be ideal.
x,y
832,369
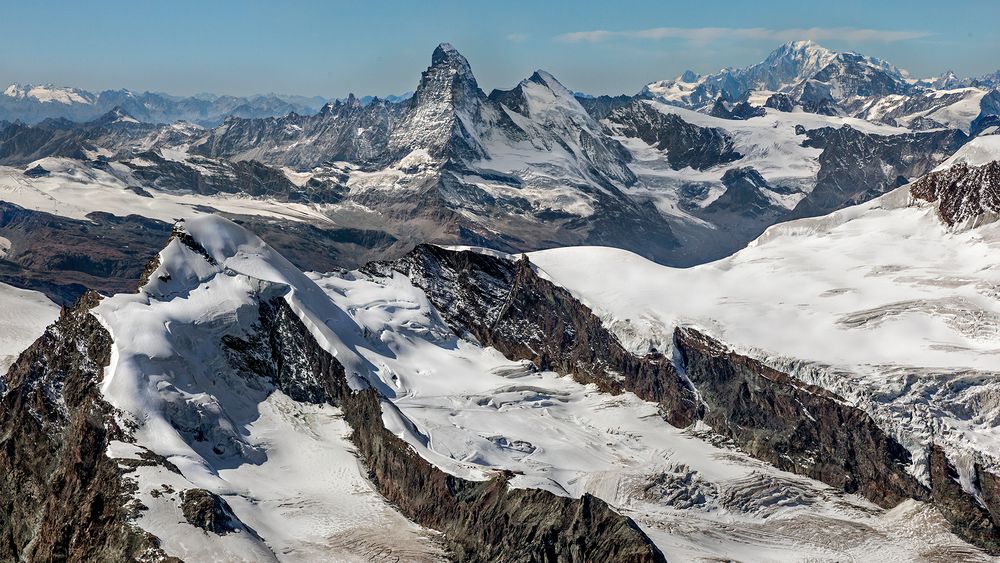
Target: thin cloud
x,y
703,35
517,37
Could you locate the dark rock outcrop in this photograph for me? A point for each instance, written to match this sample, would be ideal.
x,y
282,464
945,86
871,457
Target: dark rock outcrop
x,y
972,519
61,257
811,431
780,101
963,193
685,144
740,110
509,306
743,194
600,107
208,511
208,176
856,166
794,426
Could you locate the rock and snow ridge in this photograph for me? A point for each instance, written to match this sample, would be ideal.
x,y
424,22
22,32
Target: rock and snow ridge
x,y
880,303
188,357
530,168
462,407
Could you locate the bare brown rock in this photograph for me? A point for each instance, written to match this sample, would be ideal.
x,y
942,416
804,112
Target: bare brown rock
x,y
962,192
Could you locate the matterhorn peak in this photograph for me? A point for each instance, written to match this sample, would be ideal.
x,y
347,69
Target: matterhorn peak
x,y
448,78
445,55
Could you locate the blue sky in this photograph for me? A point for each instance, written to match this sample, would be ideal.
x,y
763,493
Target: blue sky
x,y
380,47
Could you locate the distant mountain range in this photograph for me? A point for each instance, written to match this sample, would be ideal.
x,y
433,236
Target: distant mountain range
x,y
684,172
33,103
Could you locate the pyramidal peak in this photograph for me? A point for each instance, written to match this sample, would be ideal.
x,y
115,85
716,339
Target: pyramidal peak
x,y
445,55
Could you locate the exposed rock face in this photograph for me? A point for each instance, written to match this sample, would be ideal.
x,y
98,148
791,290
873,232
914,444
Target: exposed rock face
x,y
210,176
61,257
796,427
963,193
740,110
857,166
853,75
685,144
209,511
341,131
510,307
810,431
482,521
600,107
780,102
21,144
744,194
974,520
62,498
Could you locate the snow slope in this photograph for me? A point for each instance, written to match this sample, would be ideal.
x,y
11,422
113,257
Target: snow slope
x,y
73,189
977,152
879,303
475,412
286,468
24,315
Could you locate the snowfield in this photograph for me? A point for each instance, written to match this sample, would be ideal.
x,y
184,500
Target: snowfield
x,y
476,412
879,303
286,468
73,189
977,152
24,315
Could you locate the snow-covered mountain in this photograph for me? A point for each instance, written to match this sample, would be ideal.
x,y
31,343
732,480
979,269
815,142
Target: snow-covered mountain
x,y
752,315
783,70
508,406
49,94
807,76
520,168
32,103
534,166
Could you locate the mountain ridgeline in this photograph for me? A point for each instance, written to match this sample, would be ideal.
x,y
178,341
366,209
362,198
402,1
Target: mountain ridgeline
x,y
684,172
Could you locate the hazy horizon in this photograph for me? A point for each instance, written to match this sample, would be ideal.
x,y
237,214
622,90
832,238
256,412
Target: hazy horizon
x,y
312,48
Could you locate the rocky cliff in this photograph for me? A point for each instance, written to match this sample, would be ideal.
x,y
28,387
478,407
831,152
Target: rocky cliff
x,y
481,521
507,305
